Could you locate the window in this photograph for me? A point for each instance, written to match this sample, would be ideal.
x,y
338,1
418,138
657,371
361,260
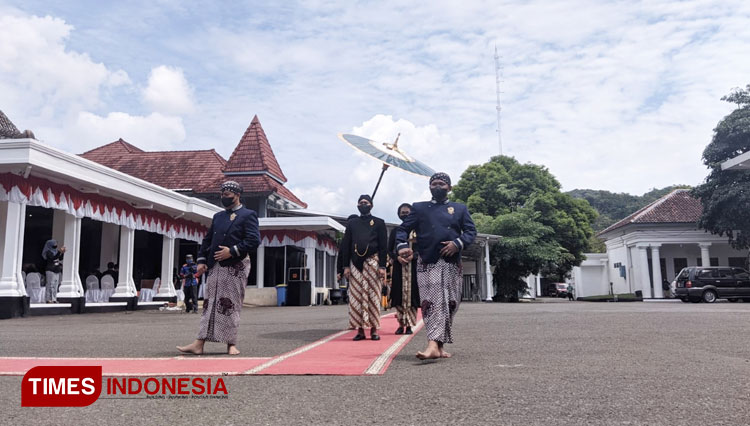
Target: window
x,y
705,273
741,274
738,262
679,263
714,261
725,273
684,274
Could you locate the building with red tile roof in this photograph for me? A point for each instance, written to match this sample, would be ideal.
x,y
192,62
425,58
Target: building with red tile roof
x,y
647,249
200,173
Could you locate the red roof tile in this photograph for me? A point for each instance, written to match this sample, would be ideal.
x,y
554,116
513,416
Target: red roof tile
x,y
676,207
254,153
176,170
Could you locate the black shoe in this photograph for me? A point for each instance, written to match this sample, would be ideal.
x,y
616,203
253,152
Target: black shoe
x,y
359,337
400,330
408,330
374,337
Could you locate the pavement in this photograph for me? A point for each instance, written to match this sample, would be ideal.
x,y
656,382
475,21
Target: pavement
x,y
554,363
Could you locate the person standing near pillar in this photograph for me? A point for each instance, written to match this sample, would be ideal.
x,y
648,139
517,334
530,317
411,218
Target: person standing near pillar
x,y
404,290
233,234
190,284
53,260
364,255
443,229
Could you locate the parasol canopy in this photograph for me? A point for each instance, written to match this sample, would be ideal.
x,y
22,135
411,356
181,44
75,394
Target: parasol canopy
x,y
387,153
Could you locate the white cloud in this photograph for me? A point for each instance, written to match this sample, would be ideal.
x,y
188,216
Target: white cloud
x,y
39,77
168,91
152,132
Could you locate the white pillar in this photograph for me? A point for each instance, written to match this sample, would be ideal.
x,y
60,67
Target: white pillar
x,y
325,269
260,270
110,235
310,264
705,254
604,278
12,223
656,271
125,284
643,270
488,272
70,285
166,287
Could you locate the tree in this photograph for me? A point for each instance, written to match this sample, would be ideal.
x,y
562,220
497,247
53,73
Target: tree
x,y
725,194
543,229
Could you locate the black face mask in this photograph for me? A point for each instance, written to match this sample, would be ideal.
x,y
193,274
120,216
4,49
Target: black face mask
x,y
403,217
54,247
227,201
439,194
364,210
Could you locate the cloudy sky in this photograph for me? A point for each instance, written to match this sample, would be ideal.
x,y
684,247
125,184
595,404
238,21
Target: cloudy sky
x,y
615,95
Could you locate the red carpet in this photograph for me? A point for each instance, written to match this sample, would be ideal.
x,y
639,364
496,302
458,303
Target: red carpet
x,y
338,354
178,366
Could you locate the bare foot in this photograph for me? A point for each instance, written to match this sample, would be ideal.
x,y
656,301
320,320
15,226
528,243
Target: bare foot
x,y
429,353
232,350
444,354
192,348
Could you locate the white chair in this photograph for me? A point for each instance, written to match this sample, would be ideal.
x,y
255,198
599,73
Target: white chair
x,y
108,288
93,293
34,287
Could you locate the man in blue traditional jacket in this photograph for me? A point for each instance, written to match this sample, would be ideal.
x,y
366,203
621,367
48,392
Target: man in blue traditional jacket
x,y
224,253
443,229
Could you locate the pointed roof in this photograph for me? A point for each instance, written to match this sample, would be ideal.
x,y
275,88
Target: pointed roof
x,y
254,154
117,147
679,206
176,170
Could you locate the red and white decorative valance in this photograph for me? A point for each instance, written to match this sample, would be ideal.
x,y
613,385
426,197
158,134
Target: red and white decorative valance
x,y
304,239
40,192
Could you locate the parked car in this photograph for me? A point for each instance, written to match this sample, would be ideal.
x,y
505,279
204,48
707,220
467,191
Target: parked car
x,y
557,290
701,283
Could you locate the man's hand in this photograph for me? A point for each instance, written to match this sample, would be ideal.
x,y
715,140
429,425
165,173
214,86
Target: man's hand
x,y
406,254
222,254
449,249
402,261
347,273
201,269
382,273
62,249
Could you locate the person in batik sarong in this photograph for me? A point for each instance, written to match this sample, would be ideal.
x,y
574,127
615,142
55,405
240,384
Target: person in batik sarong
x,y
443,229
404,290
224,254
364,256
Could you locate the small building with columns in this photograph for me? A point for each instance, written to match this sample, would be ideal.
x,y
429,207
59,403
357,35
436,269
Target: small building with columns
x,y
651,246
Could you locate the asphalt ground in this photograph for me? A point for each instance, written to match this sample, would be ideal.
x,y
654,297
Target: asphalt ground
x,y
533,363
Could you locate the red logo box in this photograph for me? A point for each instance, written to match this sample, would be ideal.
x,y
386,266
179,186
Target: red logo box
x,y
58,386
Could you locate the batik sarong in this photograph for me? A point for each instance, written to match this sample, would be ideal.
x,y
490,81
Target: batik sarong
x,y
365,289
440,290
51,286
405,312
222,301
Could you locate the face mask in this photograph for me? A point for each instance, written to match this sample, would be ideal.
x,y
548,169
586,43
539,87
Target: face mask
x,y
403,217
54,247
439,194
365,210
227,201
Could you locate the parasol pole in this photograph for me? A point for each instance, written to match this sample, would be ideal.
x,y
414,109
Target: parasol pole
x,y
385,167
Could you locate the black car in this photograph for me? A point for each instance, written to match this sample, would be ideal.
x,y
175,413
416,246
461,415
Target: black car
x,y
699,283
